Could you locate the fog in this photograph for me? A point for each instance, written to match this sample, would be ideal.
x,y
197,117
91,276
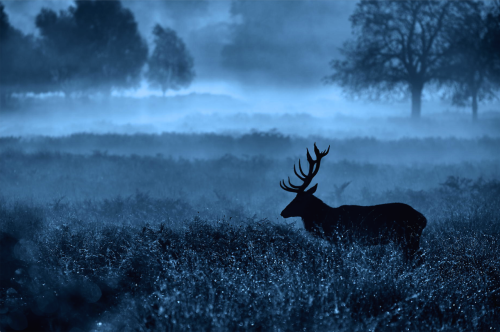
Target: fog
x,y
259,67
207,113
142,145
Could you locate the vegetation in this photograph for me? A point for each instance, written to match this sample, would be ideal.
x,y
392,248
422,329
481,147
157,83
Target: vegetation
x,y
403,46
22,62
476,68
92,47
124,242
275,146
170,66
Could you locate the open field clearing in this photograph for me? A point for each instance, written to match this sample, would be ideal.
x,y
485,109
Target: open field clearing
x,y
105,239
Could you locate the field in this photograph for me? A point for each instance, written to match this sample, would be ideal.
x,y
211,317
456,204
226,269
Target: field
x,y
182,232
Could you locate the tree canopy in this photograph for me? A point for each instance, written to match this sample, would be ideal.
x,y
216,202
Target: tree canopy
x,y
22,65
399,45
92,46
475,69
170,64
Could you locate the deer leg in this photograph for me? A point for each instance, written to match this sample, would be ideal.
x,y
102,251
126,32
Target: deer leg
x,y
413,252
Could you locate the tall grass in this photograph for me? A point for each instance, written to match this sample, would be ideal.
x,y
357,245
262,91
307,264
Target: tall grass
x,y
239,273
103,242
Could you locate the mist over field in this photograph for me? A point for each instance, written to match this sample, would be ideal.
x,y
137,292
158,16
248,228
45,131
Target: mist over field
x,y
221,114
142,145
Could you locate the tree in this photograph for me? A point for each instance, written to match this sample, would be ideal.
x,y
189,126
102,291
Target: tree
x,y
475,72
170,65
4,23
22,66
60,46
398,45
95,46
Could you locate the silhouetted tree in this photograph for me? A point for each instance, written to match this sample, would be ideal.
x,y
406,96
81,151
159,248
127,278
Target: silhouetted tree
x,y
63,51
4,23
22,66
94,46
170,65
398,44
475,73
493,39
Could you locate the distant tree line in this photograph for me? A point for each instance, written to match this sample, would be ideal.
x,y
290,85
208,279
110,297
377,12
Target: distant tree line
x,y
401,47
93,46
408,45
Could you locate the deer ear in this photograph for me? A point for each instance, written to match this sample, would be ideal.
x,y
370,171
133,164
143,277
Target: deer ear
x,y
312,190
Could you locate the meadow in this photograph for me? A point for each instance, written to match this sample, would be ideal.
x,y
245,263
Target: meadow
x,y
182,232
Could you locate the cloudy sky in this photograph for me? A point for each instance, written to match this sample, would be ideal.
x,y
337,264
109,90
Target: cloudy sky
x,y
237,46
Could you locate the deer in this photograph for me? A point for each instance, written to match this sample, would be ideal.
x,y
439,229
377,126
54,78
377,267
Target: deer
x,y
398,223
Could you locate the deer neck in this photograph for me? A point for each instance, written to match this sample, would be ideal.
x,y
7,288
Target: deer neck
x,y
316,213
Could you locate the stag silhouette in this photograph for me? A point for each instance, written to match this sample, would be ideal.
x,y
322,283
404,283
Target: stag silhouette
x,y
377,224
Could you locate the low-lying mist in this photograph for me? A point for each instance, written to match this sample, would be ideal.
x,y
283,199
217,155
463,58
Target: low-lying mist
x,y
222,114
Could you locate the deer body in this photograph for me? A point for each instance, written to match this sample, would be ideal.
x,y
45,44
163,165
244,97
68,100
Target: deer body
x,y
377,224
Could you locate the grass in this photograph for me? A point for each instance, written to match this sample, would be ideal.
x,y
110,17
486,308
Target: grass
x,y
270,144
157,260
245,275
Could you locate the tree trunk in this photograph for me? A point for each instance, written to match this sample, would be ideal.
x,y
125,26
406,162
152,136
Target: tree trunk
x,y
416,100
474,106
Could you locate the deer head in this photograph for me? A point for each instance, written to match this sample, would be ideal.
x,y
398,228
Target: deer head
x,y
304,200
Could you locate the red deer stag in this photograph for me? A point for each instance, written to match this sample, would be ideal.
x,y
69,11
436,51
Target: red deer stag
x,y
377,224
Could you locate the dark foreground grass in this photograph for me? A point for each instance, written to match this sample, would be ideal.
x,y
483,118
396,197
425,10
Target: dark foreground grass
x,y
63,273
104,242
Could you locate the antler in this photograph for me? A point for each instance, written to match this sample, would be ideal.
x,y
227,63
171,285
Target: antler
x,y
306,178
